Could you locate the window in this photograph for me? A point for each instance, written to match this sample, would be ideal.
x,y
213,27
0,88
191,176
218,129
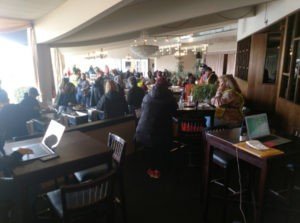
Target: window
x,y
16,72
272,56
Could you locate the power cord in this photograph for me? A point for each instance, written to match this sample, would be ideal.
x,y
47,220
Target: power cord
x,y
240,183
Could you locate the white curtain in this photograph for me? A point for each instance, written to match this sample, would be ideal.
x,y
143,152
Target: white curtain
x,y
58,65
32,43
42,67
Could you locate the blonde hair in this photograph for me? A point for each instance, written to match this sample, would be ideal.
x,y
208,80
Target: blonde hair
x,y
110,86
230,82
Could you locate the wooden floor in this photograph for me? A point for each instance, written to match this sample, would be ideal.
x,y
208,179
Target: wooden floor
x,y
176,198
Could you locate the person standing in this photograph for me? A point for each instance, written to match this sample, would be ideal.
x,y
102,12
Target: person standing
x,y
209,77
135,95
83,91
154,129
112,103
97,90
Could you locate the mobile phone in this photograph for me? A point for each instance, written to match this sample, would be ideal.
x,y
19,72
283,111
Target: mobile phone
x,y
49,157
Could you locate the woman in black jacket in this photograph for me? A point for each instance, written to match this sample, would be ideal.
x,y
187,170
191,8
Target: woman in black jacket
x,y
154,129
112,103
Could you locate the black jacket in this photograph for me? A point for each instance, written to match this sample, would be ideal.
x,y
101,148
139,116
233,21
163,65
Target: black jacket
x,y
13,119
155,125
97,90
9,162
31,106
135,97
113,104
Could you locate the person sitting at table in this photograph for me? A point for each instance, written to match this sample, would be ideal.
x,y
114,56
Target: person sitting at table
x,y
83,91
12,118
112,103
228,101
67,96
135,95
209,77
154,129
30,104
188,86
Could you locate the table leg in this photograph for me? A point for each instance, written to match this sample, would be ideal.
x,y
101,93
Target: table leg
x,y
261,192
206,175
25,213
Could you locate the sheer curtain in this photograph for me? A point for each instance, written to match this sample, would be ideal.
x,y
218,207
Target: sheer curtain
x,y
32,44
42,67
58,65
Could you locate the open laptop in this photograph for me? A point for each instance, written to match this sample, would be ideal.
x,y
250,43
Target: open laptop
x,y
258,128
50,141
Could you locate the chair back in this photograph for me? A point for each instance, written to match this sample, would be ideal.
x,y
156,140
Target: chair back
x,y
213,129
80,200
118,145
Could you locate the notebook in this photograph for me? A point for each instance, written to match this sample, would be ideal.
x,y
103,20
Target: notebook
x,y
258,128
49,142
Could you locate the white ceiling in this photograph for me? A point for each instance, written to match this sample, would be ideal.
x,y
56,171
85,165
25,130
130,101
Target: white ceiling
x,y
120,27
27,9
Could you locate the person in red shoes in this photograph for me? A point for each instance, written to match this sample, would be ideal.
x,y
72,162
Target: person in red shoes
x,y
154,129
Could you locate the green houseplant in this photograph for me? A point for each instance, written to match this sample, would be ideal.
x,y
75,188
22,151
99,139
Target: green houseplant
x,y
204,92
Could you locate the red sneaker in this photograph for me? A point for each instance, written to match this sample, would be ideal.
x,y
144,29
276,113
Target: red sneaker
x,y
150,172
156,174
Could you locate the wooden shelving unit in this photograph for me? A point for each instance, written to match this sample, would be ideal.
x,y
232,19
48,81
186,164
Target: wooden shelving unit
x,y
242,58
290,81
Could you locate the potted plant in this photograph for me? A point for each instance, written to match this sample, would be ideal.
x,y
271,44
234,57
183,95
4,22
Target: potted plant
x,y
204,92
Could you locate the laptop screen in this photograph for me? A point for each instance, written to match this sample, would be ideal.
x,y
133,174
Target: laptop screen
x,y
53,134
257,126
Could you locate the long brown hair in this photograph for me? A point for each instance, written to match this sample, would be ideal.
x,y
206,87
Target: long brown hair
x,y
110,86
230,82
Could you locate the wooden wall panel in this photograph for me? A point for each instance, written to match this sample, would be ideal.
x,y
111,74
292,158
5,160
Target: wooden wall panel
x,y
288,114
261,96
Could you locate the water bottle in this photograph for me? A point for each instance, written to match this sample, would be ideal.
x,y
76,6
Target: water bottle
x,y
243,131
180,103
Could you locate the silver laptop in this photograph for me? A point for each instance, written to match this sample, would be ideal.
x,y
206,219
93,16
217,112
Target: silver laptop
x,y
50,141
258,128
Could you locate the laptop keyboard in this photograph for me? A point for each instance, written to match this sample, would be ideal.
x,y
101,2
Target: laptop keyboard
x,y
38,150
267,138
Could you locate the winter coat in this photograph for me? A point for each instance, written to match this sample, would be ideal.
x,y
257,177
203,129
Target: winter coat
x,y
155,125
113,104
135,97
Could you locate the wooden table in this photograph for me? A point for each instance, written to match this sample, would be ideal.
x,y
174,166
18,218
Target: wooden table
x,y
224,141
76,151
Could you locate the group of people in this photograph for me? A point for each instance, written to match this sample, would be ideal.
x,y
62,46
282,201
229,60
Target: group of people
x,y
106,93
13,117
155,126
